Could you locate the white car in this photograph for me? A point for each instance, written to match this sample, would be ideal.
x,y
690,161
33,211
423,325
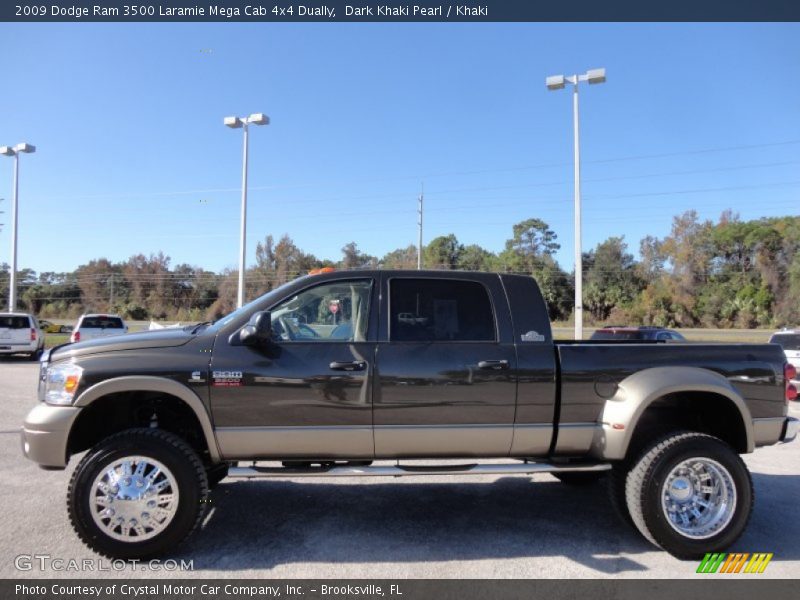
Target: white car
x,y
789,340
20,333
92,326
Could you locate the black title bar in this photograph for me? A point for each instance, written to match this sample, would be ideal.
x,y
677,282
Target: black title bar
x,y
397,11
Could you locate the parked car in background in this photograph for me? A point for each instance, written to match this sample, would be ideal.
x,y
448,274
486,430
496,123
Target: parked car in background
x,y
91,326
50,327
619,333
789,340
20,334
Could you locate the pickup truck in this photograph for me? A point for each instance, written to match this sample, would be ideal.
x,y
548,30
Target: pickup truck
x,y
392,373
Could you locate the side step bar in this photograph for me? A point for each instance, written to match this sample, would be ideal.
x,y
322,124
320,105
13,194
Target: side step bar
x,y
413,470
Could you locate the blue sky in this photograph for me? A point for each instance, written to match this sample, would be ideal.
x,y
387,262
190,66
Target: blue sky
x,y
132,155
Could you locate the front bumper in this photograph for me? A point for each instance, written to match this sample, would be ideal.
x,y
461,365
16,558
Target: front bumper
x,y
45,434
790,429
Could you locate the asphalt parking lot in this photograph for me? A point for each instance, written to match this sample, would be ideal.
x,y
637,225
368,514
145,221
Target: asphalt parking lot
x,y
414,527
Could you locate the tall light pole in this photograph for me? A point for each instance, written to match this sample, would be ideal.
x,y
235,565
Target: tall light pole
x,y
236,123
419,224
557,82
12,284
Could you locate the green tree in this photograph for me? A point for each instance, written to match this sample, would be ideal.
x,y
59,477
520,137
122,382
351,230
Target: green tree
x,y
531,250
611,278
442,252
474,258
353,258
402,258
93,280
533,239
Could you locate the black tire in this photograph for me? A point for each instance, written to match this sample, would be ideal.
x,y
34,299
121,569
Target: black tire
x,y
645,487
580,478
216,473
36,356
168,449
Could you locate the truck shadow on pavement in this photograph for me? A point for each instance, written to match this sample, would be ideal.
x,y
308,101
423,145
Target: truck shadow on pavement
x,y
264,524
774,526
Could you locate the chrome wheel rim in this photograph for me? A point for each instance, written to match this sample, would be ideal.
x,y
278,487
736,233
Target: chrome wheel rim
x,y
134,498
698,498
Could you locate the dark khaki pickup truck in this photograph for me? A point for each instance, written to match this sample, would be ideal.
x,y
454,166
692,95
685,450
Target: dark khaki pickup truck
x,y
436,371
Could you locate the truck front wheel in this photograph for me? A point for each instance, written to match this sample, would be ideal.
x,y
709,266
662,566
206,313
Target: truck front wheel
x,y
137,494
690,493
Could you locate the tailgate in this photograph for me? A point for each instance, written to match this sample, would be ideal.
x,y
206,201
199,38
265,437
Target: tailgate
x,y
15,331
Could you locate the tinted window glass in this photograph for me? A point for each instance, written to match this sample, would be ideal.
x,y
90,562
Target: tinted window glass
x,y
14,322
617,335
440,310
102,323
331,311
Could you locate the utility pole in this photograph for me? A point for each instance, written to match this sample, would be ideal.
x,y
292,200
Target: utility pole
x,y
419,223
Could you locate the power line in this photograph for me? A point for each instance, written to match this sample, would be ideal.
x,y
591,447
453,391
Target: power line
x,y
434,174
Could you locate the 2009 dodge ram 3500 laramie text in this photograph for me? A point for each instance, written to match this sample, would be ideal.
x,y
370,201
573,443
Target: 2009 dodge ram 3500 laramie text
x,y
332,371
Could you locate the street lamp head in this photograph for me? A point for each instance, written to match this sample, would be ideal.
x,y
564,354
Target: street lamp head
x,y
7,151
258,119
233,122
596,76
26,148
555,82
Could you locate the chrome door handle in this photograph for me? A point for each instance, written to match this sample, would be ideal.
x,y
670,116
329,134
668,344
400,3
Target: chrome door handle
x,y
356,365
493,365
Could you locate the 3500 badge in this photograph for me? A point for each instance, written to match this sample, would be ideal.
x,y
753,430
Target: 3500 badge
x,y
226,378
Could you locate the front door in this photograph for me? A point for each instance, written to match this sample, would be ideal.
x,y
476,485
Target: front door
x,y
308,393
446,373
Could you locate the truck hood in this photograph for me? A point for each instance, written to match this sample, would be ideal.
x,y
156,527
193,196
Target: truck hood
x,y
158,338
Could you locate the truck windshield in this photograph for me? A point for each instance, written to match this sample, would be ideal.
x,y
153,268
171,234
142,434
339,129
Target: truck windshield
x,y
787,341
247,308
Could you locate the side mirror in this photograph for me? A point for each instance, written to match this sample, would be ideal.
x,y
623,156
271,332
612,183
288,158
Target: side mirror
x,y
258,330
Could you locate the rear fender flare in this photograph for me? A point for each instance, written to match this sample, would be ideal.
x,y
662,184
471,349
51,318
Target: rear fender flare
x,y
637,392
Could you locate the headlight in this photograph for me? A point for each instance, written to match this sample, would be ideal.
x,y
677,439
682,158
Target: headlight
x,y
61,383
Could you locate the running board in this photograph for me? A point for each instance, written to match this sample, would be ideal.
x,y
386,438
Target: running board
x,y
413,470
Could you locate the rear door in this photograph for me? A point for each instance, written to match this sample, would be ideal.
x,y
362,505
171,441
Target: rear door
x,y
446,368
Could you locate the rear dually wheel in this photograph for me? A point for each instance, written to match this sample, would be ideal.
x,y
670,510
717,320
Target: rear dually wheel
x,y
690,493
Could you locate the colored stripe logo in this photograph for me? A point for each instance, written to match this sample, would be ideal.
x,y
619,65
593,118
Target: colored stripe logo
x,y
737,562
